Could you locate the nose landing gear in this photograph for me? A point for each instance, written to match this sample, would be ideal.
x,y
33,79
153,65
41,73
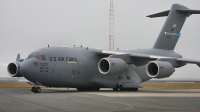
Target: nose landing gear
x,y
36,89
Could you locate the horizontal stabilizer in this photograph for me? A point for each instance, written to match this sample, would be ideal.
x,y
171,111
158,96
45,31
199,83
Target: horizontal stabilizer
x,y
165,13
188,11
160,14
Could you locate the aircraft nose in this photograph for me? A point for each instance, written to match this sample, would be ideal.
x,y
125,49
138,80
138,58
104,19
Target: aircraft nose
x,y
25,69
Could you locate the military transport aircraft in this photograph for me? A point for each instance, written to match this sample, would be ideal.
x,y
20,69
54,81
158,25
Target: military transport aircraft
x,y
91,69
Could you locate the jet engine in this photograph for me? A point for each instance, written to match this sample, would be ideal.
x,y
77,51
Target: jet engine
x,y
159,69
112,66
14,68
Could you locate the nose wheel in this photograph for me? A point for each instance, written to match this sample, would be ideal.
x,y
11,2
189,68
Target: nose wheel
x,y
36,89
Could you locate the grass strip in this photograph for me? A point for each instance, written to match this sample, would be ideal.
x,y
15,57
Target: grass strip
x,y
148,85
171,85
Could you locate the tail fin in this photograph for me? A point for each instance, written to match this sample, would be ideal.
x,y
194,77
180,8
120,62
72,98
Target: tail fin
x,y
170,32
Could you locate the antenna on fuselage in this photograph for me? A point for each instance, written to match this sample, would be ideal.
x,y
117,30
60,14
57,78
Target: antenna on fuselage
x,y
48,45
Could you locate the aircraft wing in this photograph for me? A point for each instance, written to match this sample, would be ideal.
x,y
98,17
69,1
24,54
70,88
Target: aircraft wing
x,y
152,57
133,55
183,60
189,61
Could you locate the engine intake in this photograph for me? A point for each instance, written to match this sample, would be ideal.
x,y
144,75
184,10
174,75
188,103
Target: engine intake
x,y
159,69
14,69
112,66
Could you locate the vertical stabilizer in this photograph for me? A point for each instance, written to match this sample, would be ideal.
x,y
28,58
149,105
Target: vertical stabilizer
x,y
170,32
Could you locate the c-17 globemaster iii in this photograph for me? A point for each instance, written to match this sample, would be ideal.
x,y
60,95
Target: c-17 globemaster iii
x,y
91,69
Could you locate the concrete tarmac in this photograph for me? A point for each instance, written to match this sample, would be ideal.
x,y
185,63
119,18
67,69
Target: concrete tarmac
x,y
105,100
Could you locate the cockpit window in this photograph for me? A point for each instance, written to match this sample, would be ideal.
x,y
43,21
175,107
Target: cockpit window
x,y
31,56
41,57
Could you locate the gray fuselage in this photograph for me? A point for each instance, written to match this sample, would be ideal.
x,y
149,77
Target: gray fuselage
x,y
78,67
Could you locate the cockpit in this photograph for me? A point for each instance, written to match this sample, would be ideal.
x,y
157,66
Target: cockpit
x,y
40,57
31,56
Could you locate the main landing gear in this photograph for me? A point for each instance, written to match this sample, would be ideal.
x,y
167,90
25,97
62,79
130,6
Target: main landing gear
x,y
121,88
36,89
125,89
88,89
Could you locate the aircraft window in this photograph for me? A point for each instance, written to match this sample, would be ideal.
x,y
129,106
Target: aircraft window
x,y
31,56
41,57
38,57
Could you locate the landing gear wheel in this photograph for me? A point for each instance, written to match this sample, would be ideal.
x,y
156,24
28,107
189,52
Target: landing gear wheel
x,y
88,89
79,89
129,89
121,89
82,89
115,89
32,89
134,89
97,89
38,90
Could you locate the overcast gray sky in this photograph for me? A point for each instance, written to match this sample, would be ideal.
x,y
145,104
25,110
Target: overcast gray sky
x,y
27,25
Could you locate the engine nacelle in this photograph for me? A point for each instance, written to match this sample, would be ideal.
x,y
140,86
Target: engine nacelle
x,y
159,69
14,69
112,66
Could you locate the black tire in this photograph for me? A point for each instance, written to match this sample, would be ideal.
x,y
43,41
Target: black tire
x,y
129,89
80,89
121,89
115,89
97,89
135,89
32,89
38,90
88,89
